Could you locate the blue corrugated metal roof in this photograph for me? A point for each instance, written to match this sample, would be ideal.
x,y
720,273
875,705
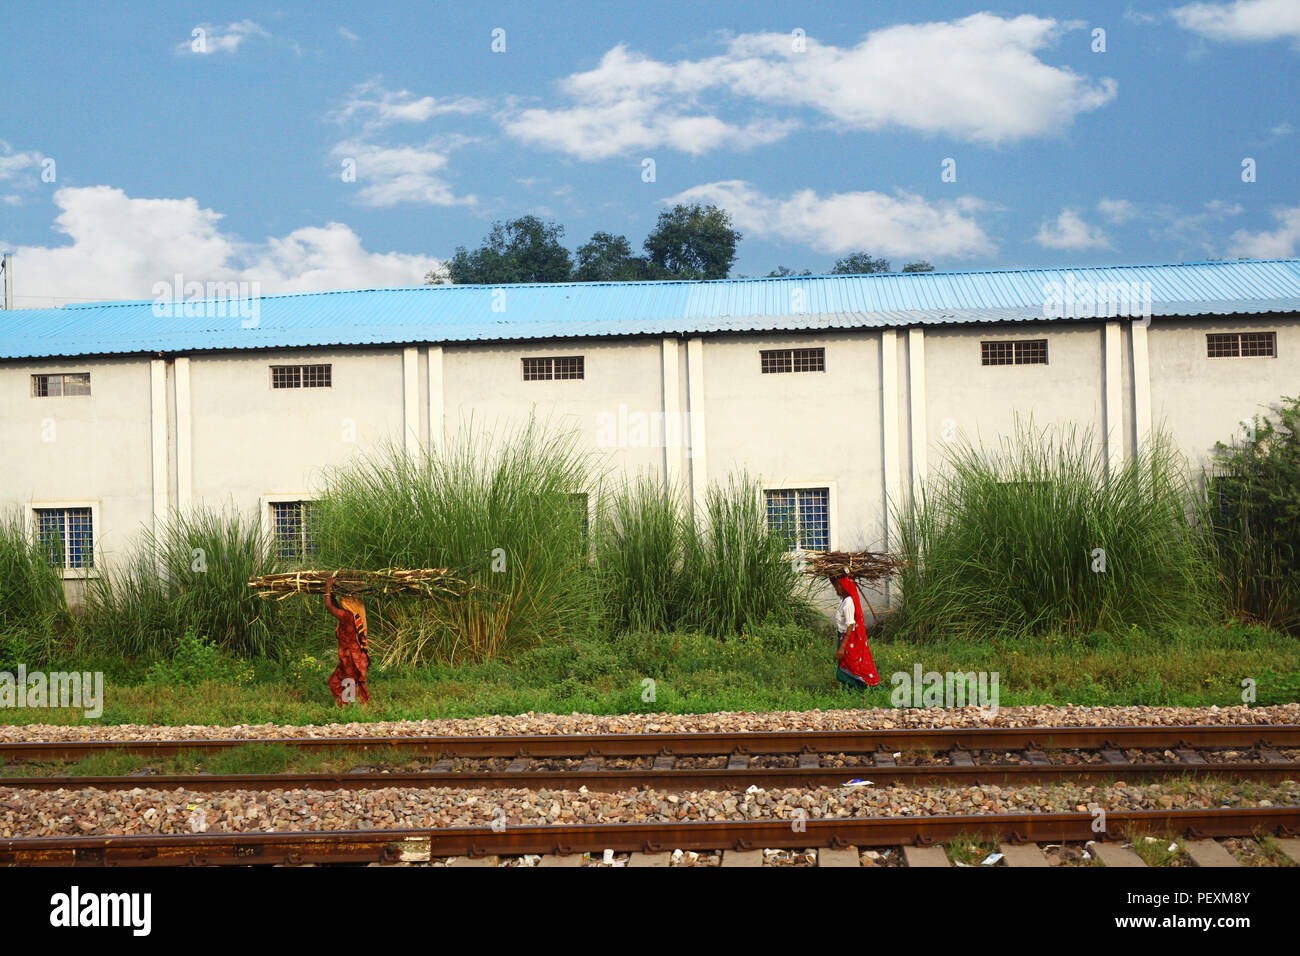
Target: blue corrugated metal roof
x,y
581,310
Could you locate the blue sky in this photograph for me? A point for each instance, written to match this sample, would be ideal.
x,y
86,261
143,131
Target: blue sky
x,y
133,149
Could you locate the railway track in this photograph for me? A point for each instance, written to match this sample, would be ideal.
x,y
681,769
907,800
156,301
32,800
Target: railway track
x,y
959,757
685,744
742,842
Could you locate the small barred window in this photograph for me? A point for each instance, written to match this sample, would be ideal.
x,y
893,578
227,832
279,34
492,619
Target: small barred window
x,y
54,386
1241,345
300,376
1027,352
775,361
551,368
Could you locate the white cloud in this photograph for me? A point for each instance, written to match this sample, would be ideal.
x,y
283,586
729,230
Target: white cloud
x,y
1279,244
900,225
391,175
1069,231
1193,229
215,39
978,78
1164,223
347,34
1117,211
1243,20
120,246
377,106
13,164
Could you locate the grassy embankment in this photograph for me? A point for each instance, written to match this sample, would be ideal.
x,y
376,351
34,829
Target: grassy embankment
x,y
1005,578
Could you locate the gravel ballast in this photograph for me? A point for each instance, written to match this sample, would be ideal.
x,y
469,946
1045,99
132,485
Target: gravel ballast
x,y
879,718
79,812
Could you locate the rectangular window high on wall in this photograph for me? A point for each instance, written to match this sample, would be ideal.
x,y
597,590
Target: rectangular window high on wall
x,y
548,368
67,536
776,361
1241,345
292,525
802,515
1026,352
64,383
301,376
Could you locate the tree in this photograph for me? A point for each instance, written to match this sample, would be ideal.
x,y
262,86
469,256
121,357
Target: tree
x,y
521,250
692,242
920,266
859,263
1253,509
608,258
781,272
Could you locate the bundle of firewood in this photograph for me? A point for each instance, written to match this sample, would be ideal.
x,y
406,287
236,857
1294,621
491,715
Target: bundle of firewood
x,y
868,566
418,582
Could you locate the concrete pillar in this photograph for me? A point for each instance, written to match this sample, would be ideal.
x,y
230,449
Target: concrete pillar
x,y
697,449
411,399
1141,383
675,434
916,403
158,440
891,459
184,437
1113,419
437,403
891,454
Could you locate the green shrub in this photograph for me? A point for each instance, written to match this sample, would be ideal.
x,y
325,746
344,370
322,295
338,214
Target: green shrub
x,y
196,660
660,570
1006,541
32,606
506,512
1253,506
193,575
640,541
738,570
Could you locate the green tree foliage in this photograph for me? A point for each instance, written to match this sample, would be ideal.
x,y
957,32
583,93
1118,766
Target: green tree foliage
x,y
692,242
863,263
859,263
1254,508
521,250
782,272
608,258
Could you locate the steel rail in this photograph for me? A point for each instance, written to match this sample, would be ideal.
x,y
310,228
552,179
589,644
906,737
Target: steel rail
x,y
694,744
671,780
338,846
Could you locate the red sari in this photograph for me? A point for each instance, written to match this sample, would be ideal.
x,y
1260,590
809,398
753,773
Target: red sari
x,y
855,654
354,648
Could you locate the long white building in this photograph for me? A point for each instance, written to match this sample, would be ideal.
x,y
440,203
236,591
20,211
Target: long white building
x,y
837,392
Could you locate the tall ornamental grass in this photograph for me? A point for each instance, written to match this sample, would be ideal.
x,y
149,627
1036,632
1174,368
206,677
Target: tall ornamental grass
x,y
1033,537
32,605
508,510
722,572
640,540
192,575
1253,506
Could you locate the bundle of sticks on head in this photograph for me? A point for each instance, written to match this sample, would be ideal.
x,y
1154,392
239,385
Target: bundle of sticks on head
x,y
862,566
418,582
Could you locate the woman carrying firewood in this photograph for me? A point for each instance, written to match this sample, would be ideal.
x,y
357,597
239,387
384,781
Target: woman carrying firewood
x,y
354,646
854,666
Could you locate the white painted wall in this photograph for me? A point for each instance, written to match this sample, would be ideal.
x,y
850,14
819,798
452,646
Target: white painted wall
x,y
209,429
250,440
1201,400
78,449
